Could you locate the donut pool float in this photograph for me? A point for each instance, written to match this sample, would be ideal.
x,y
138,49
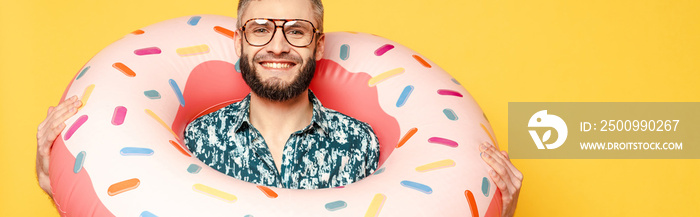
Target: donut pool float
x,y
123,154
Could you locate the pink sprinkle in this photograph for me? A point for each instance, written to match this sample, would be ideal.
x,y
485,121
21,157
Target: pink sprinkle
x,y
147,51
119,115
383,49
81,120
443,141
449,92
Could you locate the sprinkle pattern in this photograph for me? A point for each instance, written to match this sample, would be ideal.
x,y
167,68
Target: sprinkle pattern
x,y
336,205
417,186
178,93
147,51
383,49
443,141
344,51
119,115
386,75
194,20
193,50
152,94
404,95
124,69
79,160
74,127
213,192
450,114
123,186
376,205
82,72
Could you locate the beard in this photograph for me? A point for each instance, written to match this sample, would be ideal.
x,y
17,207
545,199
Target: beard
x,y
275,89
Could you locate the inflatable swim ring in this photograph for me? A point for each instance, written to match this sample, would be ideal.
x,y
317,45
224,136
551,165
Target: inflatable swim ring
x,y
122,154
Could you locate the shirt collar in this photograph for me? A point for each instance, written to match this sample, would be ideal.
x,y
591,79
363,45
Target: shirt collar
x,y
319,120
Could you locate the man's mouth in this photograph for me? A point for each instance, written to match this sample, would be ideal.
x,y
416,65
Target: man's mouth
x,y
277,65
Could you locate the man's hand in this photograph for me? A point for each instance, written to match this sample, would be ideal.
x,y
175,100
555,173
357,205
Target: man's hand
x,y
48,132
505,175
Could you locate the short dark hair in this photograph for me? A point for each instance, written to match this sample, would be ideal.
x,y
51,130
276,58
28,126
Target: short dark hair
x,y
316,5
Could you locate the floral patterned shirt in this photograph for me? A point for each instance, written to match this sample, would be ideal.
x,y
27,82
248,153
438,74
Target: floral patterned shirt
x,y
333,150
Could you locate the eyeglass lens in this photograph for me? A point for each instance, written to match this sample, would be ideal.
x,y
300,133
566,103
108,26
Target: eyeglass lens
x,y
297,32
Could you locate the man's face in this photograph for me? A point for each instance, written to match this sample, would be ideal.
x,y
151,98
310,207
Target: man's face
x,y
278,71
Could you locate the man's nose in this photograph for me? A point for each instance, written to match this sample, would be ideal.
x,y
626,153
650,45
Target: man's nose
x,y
278,44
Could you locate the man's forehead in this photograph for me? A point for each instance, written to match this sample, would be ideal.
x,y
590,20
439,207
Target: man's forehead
x,y
279,9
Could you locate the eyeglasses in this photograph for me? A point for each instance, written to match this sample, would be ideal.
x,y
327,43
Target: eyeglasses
x,y
260,31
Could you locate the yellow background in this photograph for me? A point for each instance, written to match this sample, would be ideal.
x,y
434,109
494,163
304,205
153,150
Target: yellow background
x,y
501,51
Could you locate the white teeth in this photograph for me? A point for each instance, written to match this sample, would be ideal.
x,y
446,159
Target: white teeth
x,y
277,65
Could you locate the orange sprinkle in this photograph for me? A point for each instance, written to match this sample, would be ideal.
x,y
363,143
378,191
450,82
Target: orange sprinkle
x,y
124,69
179,148
123,186
137,32
224,31
405,138
472,202
422,61
493,142
267,191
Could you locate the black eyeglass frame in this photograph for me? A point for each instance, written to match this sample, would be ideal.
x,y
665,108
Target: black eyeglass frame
x,y
274,21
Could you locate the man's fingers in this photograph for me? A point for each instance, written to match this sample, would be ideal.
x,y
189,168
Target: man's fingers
x,y
63,115
501,162
65,106
502,166
499,182
515,171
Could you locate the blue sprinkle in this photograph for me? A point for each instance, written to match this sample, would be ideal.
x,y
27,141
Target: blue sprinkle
x,y
248,215
336,205
344,51
417,186
404,96
79,160
152,94
177,91
135,151
456,82
485,186
194,20
194,168
147,214
379,171
450,114
238,66
82,73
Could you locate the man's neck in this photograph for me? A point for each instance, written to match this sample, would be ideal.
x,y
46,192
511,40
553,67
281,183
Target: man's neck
x,y
272,117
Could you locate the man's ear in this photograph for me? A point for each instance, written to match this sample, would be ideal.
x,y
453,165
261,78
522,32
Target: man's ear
x,y
237,42
320,46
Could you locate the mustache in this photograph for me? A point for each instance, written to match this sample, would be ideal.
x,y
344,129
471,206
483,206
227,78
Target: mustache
x,y
282,56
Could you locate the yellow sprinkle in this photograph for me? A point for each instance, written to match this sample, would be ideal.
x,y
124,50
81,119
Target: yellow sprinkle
x,y
214,193
376,205
436,165
193,50
86,95
493,142
385,75
149,112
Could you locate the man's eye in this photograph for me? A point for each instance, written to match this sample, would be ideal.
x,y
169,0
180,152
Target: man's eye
x,y
260,30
